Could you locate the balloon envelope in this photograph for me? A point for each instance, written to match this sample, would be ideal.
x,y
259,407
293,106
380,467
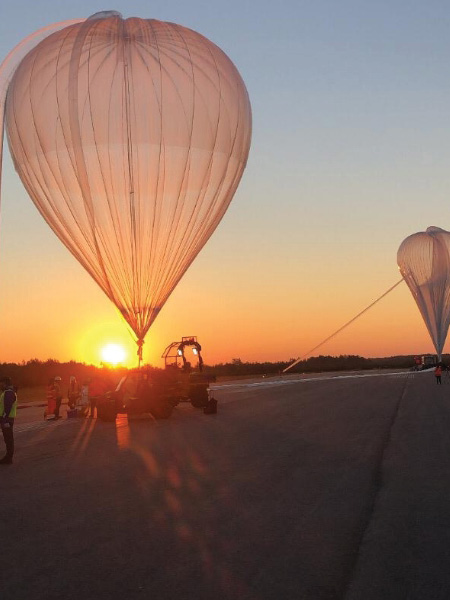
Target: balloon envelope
x,y
424,262
131,137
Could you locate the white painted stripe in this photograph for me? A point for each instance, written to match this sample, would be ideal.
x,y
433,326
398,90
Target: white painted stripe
x,y
280,382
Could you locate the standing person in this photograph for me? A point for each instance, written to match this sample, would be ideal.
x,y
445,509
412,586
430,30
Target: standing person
x,y
84,399
438,374
8,409
98,386
51,398
73,393
58,396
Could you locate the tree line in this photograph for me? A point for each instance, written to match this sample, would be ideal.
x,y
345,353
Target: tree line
x,y
35,372
315,364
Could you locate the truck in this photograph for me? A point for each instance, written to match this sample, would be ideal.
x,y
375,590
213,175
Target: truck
x,y
157,391
429,361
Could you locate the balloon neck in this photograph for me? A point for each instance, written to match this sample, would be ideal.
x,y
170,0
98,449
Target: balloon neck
x,y
140,343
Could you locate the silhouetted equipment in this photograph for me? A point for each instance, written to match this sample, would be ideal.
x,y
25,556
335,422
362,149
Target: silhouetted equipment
x,y
428,361
158,391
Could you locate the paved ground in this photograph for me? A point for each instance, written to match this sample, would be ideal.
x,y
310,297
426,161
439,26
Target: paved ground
x,y
323,488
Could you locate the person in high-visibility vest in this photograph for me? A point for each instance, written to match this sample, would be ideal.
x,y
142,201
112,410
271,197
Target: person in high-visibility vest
x,y
8,409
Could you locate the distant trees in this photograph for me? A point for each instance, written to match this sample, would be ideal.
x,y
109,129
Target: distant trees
x,y
314,364
239,368
37,372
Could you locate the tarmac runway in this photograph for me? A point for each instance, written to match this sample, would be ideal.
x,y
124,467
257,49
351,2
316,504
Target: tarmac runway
x,y
314,488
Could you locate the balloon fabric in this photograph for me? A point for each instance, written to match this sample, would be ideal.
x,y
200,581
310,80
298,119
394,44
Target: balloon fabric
x,y
131,137
424,261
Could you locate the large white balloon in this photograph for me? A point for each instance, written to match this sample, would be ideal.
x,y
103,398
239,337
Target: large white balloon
x,y
131,137
424,261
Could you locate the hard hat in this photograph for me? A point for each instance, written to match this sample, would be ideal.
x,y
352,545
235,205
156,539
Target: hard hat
x,y
57,378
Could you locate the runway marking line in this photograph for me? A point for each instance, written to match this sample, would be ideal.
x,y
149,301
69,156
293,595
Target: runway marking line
x,y
309,379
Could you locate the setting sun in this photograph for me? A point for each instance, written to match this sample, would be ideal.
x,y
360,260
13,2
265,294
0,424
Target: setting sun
x,y
113,354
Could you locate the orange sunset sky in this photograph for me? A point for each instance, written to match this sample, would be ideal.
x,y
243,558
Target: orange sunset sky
x,y
350,154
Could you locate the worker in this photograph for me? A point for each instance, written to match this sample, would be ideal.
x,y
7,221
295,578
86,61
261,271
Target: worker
x,y
438,374
98,386
84,399
58,396
8,409
50,397
73,393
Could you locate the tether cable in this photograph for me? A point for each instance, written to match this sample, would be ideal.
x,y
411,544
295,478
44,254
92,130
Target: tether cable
x,y
343,326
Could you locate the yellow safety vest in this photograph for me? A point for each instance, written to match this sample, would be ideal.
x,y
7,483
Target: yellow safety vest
x,y
13,411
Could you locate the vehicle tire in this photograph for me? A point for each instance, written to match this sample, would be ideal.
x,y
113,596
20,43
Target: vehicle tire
x,y
162,409
106,413
211,407
198,395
